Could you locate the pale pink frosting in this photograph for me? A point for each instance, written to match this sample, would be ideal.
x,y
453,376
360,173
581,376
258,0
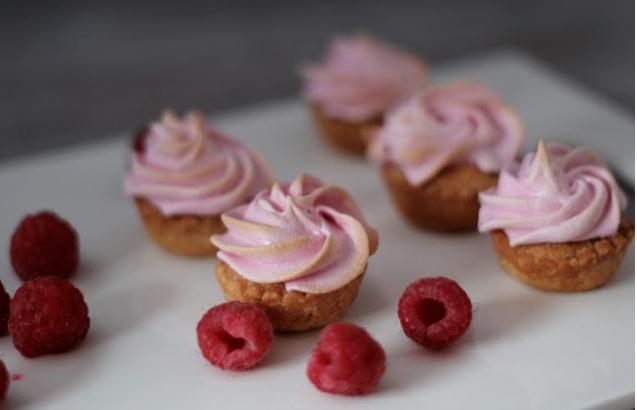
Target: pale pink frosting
x,y
361,78
447,125
310,236
559,194
187,167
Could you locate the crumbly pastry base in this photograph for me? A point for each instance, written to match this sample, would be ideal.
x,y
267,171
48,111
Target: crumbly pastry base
x,y
289,311
448,202
186,235
565,267
346,136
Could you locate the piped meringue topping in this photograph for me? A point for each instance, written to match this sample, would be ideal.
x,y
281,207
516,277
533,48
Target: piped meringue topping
x,y
187,167
448,125
558,194
310,236
361,78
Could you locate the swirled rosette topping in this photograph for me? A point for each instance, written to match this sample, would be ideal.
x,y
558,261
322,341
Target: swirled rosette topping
x,y
448,125
187,167
559,194
361,78
310,236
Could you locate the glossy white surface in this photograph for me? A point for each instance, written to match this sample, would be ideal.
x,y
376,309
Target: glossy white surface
x,y
525,349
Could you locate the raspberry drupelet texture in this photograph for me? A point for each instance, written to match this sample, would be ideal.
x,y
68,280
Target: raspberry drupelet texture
x,y
434,312
4,309
235,335
346,360
47,315
44,244
4,381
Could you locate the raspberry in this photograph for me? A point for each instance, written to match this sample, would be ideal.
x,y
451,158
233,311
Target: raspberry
x,y
139,140
434,312
44,244
235,335
346,360
48,315
4,380
4,310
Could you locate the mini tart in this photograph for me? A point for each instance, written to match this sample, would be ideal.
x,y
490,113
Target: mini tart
x,y
345,136
187,235
565,267
448,202
289,311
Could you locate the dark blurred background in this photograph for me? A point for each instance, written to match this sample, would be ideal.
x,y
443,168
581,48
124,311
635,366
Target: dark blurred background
x,y
75,71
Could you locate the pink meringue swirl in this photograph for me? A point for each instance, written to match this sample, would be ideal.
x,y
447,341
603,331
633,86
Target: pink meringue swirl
x,y
361,78
448,125
558,194
310,236
187,167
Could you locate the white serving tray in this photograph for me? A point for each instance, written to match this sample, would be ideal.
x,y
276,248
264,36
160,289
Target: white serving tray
x,y
525,349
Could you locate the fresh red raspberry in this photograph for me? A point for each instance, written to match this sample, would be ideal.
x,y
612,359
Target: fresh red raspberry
x,y
4,309
4,380
235,335
43,244
434,312
139,140
346,360
48,315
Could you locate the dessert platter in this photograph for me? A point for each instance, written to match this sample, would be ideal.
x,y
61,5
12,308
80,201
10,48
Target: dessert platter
x,y
458,236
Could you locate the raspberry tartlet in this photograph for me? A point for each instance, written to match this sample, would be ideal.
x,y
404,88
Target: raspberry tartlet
x,y
357,82
440,148
184,174
299,250
556,219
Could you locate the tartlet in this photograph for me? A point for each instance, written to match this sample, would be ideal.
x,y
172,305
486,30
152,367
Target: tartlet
x,y
299,250
556,220
446,203
358,81
440,148
183,174
347,136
